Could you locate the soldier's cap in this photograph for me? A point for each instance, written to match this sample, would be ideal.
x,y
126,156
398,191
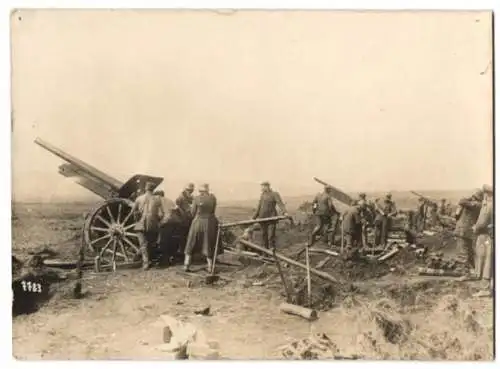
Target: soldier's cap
x,y
159,193
488,189
362,195
443,200
388,196
328,188
189,186
265,183
204,187
150,186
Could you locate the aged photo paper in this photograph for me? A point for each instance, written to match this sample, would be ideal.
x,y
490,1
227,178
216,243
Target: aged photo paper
x,y
236,184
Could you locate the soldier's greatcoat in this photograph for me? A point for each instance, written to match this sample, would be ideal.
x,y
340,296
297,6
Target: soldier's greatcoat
x,y
202,235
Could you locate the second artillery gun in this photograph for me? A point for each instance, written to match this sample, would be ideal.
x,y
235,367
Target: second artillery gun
x,y
108,230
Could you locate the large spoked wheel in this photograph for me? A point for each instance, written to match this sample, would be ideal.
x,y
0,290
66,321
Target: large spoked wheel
x,y
109,233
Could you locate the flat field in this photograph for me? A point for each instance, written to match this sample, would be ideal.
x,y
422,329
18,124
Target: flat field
x,y
117,317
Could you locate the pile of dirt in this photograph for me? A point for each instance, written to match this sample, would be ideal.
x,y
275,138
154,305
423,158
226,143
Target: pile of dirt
x,y
349,269
382,329
355,267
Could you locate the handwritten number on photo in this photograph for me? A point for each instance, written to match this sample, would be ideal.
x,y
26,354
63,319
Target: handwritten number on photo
x,y
31,286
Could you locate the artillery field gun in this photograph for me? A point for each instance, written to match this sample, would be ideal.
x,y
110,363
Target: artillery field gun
x,y
108,230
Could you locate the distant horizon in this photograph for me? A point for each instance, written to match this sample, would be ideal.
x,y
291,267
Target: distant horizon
x,y
95,199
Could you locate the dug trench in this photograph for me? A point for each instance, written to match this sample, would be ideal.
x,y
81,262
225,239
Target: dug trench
x,y
376,310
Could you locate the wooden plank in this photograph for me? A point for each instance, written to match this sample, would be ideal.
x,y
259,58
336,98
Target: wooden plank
x,y
316,272
308,314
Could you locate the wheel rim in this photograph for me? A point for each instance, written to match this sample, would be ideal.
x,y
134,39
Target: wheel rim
x,y
110,232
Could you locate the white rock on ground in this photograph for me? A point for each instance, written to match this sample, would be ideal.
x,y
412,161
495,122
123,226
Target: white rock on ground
x,y
181,340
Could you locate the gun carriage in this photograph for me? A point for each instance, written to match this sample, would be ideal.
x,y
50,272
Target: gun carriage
x,y
108,230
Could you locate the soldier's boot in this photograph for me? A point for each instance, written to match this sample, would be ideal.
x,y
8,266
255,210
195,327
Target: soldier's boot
x,y
312,239
145,258
187,263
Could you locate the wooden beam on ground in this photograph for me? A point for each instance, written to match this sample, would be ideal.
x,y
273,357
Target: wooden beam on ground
x,y
388,255
324,251
255,221
316,272
438,272
323,262
308,314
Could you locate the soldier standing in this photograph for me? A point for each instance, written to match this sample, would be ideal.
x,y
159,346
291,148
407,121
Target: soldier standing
x,y
421,214
383,220
362,199
433,213
185,200
366,213
484,244
443,207
352,226
184,203
149,212
266,208
323,210
467,215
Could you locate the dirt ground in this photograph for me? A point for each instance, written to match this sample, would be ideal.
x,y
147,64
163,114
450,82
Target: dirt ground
x,y
117,318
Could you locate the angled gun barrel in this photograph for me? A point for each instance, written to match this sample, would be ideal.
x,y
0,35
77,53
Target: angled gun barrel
x,y
87,174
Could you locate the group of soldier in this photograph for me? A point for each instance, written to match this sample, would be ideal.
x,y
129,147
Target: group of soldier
x,y
197,219
474,232
355,221
195,216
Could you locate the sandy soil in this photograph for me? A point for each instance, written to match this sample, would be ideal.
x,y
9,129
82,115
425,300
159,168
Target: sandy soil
x,y
118,317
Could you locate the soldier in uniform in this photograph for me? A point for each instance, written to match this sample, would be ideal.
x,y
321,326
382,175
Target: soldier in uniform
x,y
483,229
362,199
352,226
323,210
443,207
185,200
383,220
202,235
149,213
266,208
467,215
421,214
433,214
183,205
364,215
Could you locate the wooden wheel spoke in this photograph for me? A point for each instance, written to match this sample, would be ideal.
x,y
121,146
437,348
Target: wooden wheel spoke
x,y
127,217
107,232
131,234
103,220
119,213
131,244
94,228
100,239
117,253
123,250
113,258
129,226
105,247
111,217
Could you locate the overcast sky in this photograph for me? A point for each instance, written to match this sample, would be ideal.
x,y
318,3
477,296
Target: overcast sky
x,y
366,100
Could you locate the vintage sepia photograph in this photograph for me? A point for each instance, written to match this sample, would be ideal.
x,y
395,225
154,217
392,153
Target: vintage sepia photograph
x,y
252,184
